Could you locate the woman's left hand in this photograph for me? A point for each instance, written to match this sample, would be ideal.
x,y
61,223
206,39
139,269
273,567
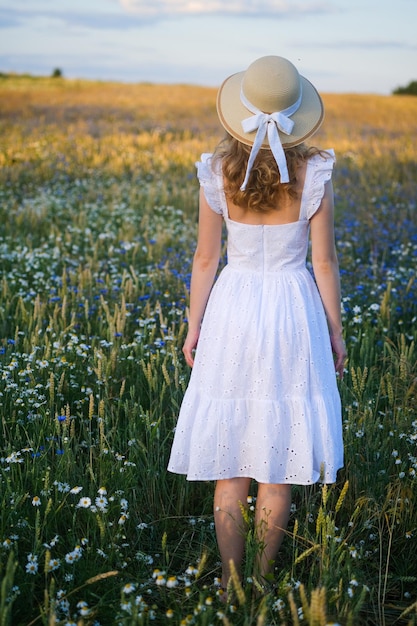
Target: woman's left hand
x,y
189,346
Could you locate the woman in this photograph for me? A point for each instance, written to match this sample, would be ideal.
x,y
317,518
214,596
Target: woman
x,y
262,402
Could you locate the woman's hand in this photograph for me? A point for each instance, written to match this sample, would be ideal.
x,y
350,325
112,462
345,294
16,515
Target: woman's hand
x,y
339,350
189,346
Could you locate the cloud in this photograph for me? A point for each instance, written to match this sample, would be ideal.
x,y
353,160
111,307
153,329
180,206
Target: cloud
x,y
241,8
97,20
128,14
366,44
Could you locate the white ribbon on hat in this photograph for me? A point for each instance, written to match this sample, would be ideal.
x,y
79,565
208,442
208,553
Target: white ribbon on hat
x,y
269,123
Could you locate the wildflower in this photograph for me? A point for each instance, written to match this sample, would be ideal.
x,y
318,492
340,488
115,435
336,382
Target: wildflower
x,y
83,608
32,565
278,605
53,542
126,606
123,518
53,565
191,570
220,592
76,490
36,501
84,503
209,601
140,602
160,580
101,503
102,491
128,588
169,614
61,418
74,556
64,606
14,457
172,582
7,543
142,526
62,487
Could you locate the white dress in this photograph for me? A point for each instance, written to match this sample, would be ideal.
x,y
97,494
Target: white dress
x,y
262,401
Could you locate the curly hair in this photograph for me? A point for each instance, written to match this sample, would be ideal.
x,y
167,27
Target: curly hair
x,y
264,189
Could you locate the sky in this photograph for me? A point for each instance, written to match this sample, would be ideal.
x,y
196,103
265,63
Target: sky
x,y
353,46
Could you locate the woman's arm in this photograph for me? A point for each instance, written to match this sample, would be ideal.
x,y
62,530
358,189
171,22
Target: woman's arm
x,y
326,272
205,264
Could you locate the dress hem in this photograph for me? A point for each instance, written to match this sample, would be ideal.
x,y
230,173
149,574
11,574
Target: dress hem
x,y
326,481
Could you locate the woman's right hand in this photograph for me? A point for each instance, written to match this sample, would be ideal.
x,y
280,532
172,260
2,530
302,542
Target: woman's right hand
x,y
339,350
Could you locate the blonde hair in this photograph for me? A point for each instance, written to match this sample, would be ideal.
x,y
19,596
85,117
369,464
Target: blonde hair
x,y
264,189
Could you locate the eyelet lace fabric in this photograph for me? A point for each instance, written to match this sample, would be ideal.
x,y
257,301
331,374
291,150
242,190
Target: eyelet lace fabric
x,y
262,401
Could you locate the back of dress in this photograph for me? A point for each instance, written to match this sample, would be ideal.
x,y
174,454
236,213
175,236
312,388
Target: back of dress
x,y
262,401
268,248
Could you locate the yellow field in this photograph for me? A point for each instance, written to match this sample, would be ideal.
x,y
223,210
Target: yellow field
x,y
114,126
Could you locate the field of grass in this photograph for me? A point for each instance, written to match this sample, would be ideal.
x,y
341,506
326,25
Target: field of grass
x,y
98,202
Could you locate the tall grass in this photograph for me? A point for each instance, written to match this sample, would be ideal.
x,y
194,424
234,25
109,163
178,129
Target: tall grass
x,y
98,222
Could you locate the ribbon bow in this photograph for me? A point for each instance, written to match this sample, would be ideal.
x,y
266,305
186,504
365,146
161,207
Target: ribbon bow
x,y
268,124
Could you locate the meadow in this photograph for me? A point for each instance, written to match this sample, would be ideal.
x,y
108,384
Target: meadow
x,y
98,210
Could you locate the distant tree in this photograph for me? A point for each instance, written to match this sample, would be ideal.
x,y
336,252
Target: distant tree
x,y
57,73
410,90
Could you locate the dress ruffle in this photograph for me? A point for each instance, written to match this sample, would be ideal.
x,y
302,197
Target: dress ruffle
x,y
234,429
209,181
321,168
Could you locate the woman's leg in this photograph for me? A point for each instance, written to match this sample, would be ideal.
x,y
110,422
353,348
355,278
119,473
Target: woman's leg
x,y
230,494
272,512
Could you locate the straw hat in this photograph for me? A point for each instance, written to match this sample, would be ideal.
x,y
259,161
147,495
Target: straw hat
x,y
270,84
